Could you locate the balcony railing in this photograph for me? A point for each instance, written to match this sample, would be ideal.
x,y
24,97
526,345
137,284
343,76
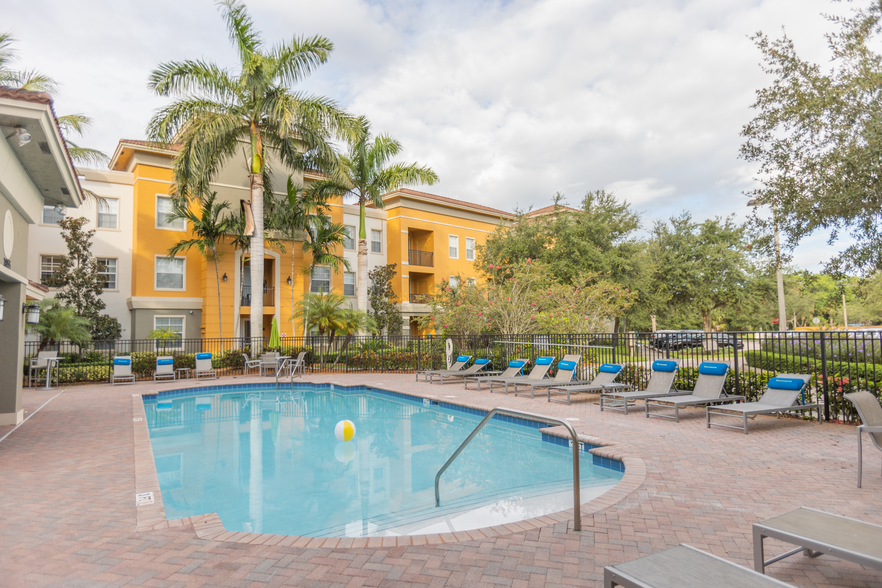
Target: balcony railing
x,y
421,258
420,298
269,296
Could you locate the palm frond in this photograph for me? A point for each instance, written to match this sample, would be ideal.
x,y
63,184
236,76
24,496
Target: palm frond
x,y
240,28
85,155
293,61
7,53
182,77
74,123
33,81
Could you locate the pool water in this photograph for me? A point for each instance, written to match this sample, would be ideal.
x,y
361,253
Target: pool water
x,y
266,460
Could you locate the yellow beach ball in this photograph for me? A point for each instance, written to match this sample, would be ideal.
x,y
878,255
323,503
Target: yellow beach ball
x,y
344,431
344,452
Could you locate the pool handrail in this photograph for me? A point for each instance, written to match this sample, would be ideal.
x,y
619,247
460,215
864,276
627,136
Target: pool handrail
x,y
577,511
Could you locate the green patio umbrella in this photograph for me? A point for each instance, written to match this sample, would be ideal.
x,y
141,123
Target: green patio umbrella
x,y
274,340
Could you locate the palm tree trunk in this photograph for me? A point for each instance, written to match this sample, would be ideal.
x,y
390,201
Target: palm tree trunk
x,y
257,248
293,268
220,319
361,277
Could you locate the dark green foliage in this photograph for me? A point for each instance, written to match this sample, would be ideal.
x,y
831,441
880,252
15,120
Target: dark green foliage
x,y
106,328
383,300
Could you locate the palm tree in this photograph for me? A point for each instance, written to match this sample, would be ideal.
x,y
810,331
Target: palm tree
x,y
59,323
164,334
323,237
215,112
354,321
326,312
209,228
365,173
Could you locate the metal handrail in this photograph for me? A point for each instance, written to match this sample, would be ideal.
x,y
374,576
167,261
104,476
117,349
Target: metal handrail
x,y
577,511
281,368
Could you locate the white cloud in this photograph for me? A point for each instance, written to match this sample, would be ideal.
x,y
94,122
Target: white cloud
x,y
509,101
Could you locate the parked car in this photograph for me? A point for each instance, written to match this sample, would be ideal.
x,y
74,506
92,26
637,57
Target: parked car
x,y
674,340
726,340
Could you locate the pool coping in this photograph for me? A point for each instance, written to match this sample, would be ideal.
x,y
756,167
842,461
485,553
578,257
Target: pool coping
x,y
151,515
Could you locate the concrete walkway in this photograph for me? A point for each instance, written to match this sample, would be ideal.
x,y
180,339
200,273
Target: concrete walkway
x,y
68,514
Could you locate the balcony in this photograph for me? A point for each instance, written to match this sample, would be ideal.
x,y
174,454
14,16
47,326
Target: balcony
x,y
269,296
420,298
421,258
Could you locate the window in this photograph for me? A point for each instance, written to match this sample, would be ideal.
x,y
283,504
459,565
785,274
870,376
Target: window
x,y
454,246
349,239
349,284
169,273
107,269
376,241
49,266
164,210
454,281
174,324
321,280
471,282
470,249
52,216
108,214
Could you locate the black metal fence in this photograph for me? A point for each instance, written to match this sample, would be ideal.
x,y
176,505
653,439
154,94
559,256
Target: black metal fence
x,y
838,362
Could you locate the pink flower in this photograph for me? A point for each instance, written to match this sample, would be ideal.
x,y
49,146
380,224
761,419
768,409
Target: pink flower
x,y
532,304
531,316
529,260
479,314
497,267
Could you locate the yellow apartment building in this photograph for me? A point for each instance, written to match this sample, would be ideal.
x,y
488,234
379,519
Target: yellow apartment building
x,y
431,238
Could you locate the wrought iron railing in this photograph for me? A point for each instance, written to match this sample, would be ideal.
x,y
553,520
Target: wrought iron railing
x,y
269,296
420,258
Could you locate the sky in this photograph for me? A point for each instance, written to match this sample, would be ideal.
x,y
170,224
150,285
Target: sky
x,y
508,101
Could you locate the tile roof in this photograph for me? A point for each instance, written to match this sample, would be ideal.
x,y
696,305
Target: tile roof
x,y
152,144
550,210
444,199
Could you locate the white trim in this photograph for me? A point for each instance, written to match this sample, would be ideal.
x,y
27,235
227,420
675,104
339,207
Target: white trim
x,y
115,275
156,216
371,249
118,215
422,220
179,344
163,303
474,247
354,239
449,235
184,289
403,276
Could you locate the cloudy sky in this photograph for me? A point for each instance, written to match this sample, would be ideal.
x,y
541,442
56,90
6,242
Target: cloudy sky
x,y
509,101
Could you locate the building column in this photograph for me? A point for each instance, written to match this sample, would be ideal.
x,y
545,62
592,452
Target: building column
x,y
11,353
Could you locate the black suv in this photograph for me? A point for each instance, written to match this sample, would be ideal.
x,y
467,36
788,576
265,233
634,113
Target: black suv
x,y
726,340
674,340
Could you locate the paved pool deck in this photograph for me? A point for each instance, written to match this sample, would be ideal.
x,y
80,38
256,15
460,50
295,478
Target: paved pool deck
x,y
69,475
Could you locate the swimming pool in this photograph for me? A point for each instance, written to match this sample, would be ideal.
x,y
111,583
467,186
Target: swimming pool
x,y
266,460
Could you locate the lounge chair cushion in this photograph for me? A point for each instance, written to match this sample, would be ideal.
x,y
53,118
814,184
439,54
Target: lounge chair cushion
x,y
664,365
165,361
711,368
463,358
203,356
566,366
482,361
786,384
544,361
519,363
122,361
610,368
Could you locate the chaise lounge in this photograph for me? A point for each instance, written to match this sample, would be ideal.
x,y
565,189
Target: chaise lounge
x,y
540,369
566,371
472,370
870,413
514,368
458,365
782,395
708,390
604,380
661,382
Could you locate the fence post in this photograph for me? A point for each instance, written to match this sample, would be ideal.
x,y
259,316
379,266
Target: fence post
x,y
735,365
615,344
419,351
824,376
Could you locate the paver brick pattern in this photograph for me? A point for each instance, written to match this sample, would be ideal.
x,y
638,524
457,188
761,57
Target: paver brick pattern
x,y
68,514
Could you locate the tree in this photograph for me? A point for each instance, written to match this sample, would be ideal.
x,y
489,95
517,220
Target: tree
x,y
700,266
817,138
59,323
164,334
216,111
383,299
353,321
365,172
323,237
459,309
209,228
585,306
80,285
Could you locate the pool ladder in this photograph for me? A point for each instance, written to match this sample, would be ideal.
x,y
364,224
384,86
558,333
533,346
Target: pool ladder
x,y
289,365
577,511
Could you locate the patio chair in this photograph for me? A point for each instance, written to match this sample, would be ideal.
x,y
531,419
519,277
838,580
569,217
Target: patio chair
x,y
661,382
708,390
458,365
475,368
122,371
782,395
249,364
819,533
269,362
566,371
165,368
870,412
604,380
40,363
203,367
539,371
514,368
685,567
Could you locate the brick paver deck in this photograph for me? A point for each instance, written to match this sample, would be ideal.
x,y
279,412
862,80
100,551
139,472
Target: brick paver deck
x,y
68,517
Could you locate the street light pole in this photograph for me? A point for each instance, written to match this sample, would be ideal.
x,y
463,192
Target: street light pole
x,y
779,270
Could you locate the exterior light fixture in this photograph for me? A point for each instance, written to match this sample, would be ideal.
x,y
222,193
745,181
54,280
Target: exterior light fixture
x,y
2,306
24,137
225,277
31,312
289,280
